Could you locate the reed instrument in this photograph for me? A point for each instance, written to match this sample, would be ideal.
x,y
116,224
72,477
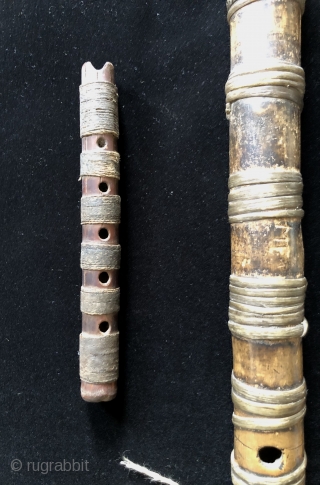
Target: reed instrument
x,y
264,96
100,249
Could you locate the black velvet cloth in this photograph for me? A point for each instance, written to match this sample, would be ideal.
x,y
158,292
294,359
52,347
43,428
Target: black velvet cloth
x,y
173,410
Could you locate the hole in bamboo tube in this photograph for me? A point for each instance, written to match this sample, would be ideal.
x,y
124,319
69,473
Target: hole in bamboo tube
x,y
103,327
103,277
103,187
101,142
103,233
269,454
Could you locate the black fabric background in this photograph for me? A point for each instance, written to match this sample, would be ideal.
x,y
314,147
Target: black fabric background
x,y
173,410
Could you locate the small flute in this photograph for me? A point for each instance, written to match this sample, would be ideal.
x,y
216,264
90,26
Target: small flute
x,y
100,249
264,96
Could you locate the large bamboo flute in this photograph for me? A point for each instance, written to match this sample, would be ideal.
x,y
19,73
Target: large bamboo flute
x,y
264,96
100,217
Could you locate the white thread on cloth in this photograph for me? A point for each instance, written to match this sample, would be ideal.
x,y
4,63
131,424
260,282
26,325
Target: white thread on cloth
x,y
154,477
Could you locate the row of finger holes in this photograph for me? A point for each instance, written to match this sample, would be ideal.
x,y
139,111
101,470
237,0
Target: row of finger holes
x,y
103,186
103,234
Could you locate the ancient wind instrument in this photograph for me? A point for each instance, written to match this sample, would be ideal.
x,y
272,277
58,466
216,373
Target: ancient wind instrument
x,y
100,218
264,96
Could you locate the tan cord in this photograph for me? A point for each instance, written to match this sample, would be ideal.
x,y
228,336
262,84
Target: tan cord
x,y
267,91
269,292
267,424
99,357
267,302
100,164
272,410
274,282
100,256
263,176
265,214
280,80
260,394
257,206
252,192
98,109
269,308
280,77
270,73
252,197
251,332
267,305
264,308
104,209
95,301
265,320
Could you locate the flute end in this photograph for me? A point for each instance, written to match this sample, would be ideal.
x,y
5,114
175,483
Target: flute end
x,y
98,392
